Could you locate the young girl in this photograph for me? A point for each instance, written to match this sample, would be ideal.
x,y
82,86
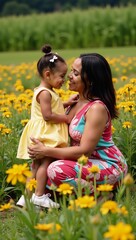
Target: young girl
x,y
48,121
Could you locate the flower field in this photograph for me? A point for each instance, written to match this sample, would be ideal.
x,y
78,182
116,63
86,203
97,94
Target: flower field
x,y
80,217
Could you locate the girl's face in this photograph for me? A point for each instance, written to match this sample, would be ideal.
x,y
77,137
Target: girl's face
x,y
57,77
75,81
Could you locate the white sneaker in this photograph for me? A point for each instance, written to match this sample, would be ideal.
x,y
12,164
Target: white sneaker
x,y
21,201
44,201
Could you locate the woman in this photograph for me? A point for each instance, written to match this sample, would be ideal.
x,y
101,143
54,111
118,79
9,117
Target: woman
x,y
89,130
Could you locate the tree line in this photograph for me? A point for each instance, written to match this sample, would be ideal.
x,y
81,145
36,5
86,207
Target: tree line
x,y
25,7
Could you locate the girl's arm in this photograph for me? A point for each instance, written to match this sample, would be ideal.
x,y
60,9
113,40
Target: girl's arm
x,y
96,119
71,101
44,100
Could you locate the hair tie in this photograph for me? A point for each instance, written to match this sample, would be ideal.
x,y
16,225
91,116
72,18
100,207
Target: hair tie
x,y
53,58
46,54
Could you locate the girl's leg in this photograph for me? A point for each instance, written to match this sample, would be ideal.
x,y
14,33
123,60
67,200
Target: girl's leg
x,y
34,169
35,165
41,176
39,197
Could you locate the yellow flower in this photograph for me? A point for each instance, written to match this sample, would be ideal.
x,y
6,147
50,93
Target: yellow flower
x,y
114,80
121,231
49,227
105,188
4,109
128,180
20,88
24,122
5,206
83,202
113,129
65,188
6,131
28,77
124,78
2,126
7,114
83,160
94,169
18,173
31,185
123,210
127,124
9,78
11,98
109,206
134,113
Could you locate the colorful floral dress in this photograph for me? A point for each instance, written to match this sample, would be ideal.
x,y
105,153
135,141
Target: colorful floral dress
x,y
106,156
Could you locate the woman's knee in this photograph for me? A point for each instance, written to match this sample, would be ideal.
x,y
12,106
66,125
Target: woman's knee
x,y
60,170
54,169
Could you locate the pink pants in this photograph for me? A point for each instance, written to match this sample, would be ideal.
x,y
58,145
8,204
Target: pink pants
x,y
66,171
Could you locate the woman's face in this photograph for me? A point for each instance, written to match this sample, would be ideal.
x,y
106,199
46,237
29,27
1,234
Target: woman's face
x,y
75,82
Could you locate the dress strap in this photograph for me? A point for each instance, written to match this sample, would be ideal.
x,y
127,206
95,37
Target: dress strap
x,y
89,104
84,109
40,89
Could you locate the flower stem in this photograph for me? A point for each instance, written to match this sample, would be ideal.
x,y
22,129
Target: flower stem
x,y
95,193
94,233
79,181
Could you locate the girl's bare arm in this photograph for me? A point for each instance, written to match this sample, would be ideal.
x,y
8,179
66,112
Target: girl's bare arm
x,y
44,99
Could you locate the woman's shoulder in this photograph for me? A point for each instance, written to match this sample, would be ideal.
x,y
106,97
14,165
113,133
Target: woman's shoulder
x,y
99,109
94,104
98,104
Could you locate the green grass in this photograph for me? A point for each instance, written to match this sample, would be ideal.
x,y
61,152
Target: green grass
x,y
7,58
13,228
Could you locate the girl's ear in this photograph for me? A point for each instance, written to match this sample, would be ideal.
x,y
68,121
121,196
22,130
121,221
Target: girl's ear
x,y
46,73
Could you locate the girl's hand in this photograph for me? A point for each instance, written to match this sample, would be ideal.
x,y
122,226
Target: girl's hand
x,y
72,100
36,150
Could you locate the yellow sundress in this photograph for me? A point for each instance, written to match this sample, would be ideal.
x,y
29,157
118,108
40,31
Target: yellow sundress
x,y
51,134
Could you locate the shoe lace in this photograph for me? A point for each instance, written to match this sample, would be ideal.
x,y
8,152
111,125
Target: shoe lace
x,y
48,195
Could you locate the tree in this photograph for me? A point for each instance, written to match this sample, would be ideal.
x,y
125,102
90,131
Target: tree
x,y
14,8
83,4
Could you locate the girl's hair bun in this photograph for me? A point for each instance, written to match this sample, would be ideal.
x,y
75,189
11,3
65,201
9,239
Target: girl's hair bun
x,y
46,49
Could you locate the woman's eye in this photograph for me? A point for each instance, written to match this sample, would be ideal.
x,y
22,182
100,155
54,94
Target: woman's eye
x,y
75,73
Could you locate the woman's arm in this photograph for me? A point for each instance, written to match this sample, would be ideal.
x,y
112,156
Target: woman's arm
x,y
96,119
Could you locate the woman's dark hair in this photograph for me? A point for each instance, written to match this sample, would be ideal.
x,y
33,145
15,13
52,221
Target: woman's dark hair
x,y
97,78
49,60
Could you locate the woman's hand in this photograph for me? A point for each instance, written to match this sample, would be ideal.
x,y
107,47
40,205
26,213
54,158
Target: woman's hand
x,y
36,150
